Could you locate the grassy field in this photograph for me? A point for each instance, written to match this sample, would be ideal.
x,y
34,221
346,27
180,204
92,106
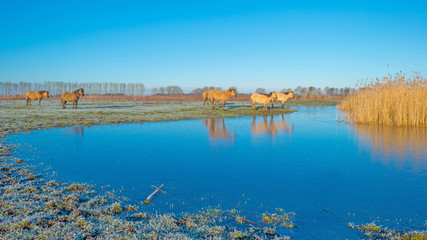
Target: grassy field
x,y
34,206
15,116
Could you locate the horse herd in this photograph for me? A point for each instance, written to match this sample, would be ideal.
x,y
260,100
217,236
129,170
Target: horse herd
x,y
211,95
263,99
65,97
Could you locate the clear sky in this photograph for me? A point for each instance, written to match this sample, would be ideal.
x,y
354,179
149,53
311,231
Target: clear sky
x,y
247,44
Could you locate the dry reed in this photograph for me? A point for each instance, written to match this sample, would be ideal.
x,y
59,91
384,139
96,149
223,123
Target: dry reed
x,y
391,100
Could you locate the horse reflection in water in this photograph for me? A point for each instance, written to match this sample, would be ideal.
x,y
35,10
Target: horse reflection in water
x,y
78,130
75,131
218,131
270,127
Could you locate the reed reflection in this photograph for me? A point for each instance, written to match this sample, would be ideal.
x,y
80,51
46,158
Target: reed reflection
x,y
271,127
399,146
217,130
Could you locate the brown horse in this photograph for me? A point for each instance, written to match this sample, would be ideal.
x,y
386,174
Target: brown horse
x,y
206,96
221,96
71,97
263,99
35,96
283,97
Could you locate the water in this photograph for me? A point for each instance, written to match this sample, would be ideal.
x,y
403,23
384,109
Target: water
x,y
326,171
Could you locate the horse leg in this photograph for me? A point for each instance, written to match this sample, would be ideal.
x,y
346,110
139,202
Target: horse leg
x,y
29,101
26,104
76,104
212,103
283,105
40,101
272,106
253,105
223,105
63,104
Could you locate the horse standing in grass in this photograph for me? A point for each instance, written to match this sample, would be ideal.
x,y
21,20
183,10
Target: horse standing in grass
x,y
71,97
263,99
221,96
35,96
206,96
283,97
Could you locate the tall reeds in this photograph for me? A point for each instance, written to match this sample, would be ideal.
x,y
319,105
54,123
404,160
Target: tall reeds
x,y
391,100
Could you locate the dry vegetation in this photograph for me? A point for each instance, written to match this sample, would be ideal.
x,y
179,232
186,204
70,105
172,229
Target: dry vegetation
x,y
374,231
392,100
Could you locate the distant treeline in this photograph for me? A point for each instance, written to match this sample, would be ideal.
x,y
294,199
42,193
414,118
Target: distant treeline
x,y
169,90
298,90
325,91
136,89
56,88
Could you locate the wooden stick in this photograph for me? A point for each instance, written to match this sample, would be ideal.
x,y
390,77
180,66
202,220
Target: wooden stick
x,y
158,189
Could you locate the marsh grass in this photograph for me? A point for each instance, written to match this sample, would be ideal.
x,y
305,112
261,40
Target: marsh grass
x,y
391,100
373,231
51,115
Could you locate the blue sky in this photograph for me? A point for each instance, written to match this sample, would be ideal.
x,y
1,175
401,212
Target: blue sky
x,y
247,44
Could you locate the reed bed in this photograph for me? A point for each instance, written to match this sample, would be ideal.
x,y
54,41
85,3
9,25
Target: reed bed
x,y
395,100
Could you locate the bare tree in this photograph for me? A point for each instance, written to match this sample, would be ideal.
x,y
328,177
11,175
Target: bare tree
x,y
197,91
260,90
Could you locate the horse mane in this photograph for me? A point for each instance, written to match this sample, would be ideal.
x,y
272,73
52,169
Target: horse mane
x,y
269,95
77,91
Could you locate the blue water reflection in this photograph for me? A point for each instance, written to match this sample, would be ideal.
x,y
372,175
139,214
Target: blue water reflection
x,y
326,171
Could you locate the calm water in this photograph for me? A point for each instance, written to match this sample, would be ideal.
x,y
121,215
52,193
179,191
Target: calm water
x,y
329,173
